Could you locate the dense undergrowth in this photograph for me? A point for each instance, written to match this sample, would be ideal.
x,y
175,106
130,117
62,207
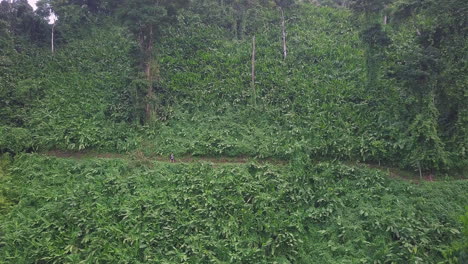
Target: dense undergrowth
x,y
352,88
121,211
89,95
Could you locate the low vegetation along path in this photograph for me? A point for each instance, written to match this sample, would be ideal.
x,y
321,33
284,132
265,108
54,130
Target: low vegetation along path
x,y
159,158
219,160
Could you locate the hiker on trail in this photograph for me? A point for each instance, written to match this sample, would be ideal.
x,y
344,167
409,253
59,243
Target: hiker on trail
x,y
172,157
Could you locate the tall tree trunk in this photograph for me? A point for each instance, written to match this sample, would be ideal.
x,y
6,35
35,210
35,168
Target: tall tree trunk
x,y
371,66
254,93
52,39
420,171
149,76
370,54
283,27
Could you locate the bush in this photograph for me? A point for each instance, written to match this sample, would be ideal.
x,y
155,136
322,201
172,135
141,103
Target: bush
x,y
15,139
117,210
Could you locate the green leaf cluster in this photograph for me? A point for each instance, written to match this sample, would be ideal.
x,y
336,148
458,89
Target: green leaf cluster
x,y
120,211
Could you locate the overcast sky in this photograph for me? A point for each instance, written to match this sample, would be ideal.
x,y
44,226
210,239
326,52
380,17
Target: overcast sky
x,y
32,3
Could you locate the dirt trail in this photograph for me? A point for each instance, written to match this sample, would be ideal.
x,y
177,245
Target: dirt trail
x,y
141,156
394,173
81,154
412,176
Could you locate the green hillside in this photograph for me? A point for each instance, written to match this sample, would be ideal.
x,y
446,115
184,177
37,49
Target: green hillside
x,y
117,210
334,95
351,116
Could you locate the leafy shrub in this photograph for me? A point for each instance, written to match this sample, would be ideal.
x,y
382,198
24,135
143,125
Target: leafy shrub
x,y
15,139
5,161
458,252
114,210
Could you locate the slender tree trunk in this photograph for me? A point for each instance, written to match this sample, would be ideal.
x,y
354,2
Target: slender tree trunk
x,y
385,20
370,54
371,66
52,39
149,92
420,171
283,27
240,26
252,84
149,77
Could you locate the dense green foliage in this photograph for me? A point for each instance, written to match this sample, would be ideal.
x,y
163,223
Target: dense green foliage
x,y
115,210
374,81
350,88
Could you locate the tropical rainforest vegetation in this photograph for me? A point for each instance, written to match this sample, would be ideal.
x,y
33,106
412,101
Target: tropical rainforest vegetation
x,y
317,95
